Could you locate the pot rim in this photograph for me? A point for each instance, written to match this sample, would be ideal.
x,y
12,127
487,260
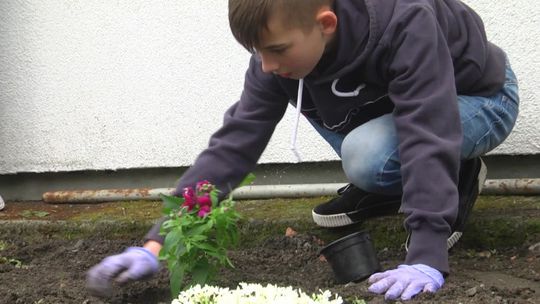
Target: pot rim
x,y
343,239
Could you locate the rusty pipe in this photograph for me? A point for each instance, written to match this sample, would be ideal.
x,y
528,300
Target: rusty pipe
x,y
491,187
521,186
104,195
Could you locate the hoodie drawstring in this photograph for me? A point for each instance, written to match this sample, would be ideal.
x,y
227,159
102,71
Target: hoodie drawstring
x,y
297,119
354,93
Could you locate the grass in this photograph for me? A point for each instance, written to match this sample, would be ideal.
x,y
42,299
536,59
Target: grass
x,y
498,221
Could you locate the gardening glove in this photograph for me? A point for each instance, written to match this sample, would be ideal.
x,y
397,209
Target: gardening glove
x,y
135,263
406,281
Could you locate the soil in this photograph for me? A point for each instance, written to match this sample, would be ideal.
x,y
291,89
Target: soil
x,y
53,271
43,268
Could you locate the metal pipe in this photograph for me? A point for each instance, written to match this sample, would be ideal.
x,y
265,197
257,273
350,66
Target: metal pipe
x,y
105,195
491,187
523,186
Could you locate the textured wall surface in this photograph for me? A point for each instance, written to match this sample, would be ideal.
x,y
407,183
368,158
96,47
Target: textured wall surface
x,y
91,85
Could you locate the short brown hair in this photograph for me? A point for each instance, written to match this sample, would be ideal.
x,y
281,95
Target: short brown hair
x,y
248,18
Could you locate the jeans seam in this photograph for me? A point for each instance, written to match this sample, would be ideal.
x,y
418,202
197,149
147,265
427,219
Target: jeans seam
x,y
383,171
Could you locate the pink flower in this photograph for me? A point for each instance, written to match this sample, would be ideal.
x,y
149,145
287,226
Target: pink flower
x,y
204,186
189,206
190,200
205,200
204,211
188,194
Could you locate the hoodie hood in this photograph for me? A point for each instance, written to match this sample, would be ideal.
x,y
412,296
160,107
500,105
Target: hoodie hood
x,y
357,34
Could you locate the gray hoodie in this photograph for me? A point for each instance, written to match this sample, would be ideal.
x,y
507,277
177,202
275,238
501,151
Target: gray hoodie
x,y
407,57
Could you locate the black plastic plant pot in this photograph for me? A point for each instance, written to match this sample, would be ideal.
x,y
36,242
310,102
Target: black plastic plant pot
x,y
352,258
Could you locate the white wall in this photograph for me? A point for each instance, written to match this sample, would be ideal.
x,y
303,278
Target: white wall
x,y
131,84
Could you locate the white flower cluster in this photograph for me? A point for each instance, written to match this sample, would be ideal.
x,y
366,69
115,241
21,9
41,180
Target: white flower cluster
x,y
253,294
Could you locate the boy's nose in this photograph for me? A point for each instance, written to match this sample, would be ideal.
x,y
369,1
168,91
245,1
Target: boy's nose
x,y
268,65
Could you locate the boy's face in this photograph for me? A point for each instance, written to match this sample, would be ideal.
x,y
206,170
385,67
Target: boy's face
x,y
291,52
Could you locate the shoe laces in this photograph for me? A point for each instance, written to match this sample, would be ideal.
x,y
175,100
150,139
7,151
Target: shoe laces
x,y
344,189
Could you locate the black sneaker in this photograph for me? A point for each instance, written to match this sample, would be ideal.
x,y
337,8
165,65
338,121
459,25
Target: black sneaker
x,y
354,205
472,176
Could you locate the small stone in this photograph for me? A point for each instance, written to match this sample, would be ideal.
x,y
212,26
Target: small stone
x,y
2,204
484,254
290,232
535,248
77,246
471,292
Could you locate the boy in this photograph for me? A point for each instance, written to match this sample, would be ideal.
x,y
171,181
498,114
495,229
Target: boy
x,y
408,93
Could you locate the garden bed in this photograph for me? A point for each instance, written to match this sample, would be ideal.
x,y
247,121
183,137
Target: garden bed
x,y
53,271
45,262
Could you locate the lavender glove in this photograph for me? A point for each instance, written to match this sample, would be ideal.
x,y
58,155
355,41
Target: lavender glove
x,y
407,281
135,263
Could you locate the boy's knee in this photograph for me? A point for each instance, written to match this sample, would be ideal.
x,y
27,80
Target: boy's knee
x,y
369,156
361,162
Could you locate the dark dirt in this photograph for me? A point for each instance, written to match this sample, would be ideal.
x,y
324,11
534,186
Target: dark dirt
x,y
47,265
53,271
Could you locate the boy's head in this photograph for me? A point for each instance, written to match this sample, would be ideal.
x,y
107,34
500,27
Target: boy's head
x,y
289,35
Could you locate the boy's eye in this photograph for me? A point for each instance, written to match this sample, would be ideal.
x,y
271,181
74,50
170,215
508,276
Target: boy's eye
x,y
279,51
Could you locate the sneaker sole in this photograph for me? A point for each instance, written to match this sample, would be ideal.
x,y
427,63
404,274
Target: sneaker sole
x,y
333,220
482,175
349,218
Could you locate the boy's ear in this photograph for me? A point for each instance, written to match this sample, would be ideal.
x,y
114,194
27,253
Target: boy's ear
x,y
327,20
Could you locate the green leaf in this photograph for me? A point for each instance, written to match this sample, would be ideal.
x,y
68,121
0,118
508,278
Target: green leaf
x,y
214,198
176,278
41,213
198,238
247,180
34,213
199,229
207,247
171,202
201,272
173,237
170,224
229,262
180,250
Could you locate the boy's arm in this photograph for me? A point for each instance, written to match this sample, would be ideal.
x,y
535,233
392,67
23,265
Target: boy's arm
x,y
422,87
232,153
235,148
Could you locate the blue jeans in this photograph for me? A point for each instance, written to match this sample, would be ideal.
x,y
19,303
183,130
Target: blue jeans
x,y
370,156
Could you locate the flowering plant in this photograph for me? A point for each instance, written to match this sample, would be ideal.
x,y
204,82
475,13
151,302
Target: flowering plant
x,y
253,294
198,232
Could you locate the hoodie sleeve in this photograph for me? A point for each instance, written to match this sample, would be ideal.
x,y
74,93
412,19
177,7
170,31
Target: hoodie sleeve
x,y
426,114
235,148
